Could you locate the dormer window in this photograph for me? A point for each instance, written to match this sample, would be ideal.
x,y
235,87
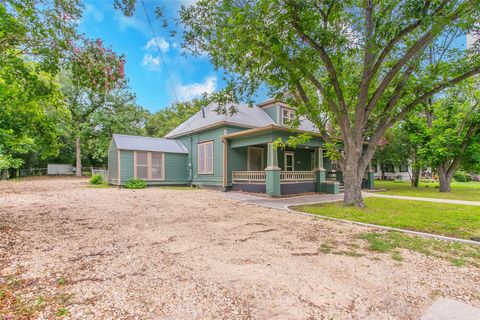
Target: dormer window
x,y
287,116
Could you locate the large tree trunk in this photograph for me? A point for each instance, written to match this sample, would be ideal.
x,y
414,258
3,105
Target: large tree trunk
x,y
415,176
445,178
352,179
79,158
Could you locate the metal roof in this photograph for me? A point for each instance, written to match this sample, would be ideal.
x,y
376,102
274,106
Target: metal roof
x,y
126,142
245,116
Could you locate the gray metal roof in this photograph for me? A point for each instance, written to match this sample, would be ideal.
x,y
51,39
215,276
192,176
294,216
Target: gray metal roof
x,y
126,142
245,116
250,117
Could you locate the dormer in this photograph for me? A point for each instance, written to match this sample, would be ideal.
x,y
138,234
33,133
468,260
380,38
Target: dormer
x,y
280,112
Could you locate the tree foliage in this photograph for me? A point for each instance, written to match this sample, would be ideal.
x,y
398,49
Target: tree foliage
x,y
167,119
359,66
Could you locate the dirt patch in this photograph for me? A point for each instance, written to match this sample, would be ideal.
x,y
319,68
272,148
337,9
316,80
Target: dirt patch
x,y
181,254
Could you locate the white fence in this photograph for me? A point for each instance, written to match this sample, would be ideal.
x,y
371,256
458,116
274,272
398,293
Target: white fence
x,y
249,176
297,176
63,169
101,171
260,176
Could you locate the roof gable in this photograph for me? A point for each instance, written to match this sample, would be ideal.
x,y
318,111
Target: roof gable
x,y
245,116
126,142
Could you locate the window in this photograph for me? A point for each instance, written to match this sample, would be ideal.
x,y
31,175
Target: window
x,y
205,157
142,165
287,116
289,161
156,169
149,165
255,159
388,167
403,167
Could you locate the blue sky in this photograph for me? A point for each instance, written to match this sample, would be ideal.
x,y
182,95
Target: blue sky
x,y
133,38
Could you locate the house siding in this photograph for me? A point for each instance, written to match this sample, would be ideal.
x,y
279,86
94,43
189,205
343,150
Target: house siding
x,y
126,165
175,168
112,163
272,112
191,142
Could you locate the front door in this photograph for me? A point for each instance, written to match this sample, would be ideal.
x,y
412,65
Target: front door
x,y
289,161
255,159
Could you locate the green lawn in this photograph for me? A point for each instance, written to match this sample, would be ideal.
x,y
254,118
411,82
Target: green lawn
x,y
453,220
460,190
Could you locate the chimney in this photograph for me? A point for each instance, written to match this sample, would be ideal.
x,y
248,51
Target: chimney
x,y
203,112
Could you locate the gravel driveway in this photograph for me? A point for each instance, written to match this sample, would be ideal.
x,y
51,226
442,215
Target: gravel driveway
x,y
108,253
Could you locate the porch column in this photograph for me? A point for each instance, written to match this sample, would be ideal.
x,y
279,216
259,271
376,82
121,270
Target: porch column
x,y
272,171
370,177
319,170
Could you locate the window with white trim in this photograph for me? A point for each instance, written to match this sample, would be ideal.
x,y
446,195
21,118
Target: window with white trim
x,y
149,165
142,165
205,157
287,116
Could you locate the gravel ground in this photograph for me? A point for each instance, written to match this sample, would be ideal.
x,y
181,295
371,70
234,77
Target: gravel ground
x,y
108,253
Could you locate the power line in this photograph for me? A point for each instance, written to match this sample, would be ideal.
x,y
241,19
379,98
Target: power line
x,y
160,52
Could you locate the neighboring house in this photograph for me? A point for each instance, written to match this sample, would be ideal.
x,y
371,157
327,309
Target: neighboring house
x,y
392,172
230,152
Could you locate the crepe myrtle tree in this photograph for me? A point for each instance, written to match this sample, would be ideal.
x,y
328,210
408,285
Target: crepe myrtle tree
x,y
94,71
354,67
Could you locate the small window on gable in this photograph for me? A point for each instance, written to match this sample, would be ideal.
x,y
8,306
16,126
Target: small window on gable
x,y
205,157
287,116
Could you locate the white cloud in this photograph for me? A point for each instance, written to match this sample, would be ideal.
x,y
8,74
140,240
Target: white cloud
x,y
152,44
135,23
151,63
92,11
193,90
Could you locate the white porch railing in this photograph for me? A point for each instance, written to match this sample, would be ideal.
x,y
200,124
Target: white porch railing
x,y
249,176
260,176
297,176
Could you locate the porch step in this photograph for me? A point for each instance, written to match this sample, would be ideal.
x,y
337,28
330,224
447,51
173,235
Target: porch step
x,y
341,189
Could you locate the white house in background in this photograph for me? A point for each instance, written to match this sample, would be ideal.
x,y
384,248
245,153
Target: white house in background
x,y
391,172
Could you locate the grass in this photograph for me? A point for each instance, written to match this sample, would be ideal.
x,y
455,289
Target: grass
x,y
452,220
390,242
460,190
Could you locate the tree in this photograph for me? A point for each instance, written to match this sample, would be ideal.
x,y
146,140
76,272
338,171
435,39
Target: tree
x,y
359,65
34,38
94,72
402,146
452,136
42,30
31,106
101,116
167,119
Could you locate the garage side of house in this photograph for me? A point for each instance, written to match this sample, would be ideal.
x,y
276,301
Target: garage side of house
x,y
157,161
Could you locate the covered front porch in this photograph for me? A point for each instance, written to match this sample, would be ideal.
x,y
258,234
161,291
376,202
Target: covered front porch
x,y
255,165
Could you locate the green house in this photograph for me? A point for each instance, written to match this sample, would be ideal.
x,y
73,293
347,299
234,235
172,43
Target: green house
x,y
230,152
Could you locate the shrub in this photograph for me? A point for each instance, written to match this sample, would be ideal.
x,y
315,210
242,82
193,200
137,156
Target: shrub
x,y
461,176
135,184
96,179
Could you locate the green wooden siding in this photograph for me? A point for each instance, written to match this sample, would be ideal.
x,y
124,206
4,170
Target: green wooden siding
x,y
175,168
112,163
191,142
302,158
126,165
